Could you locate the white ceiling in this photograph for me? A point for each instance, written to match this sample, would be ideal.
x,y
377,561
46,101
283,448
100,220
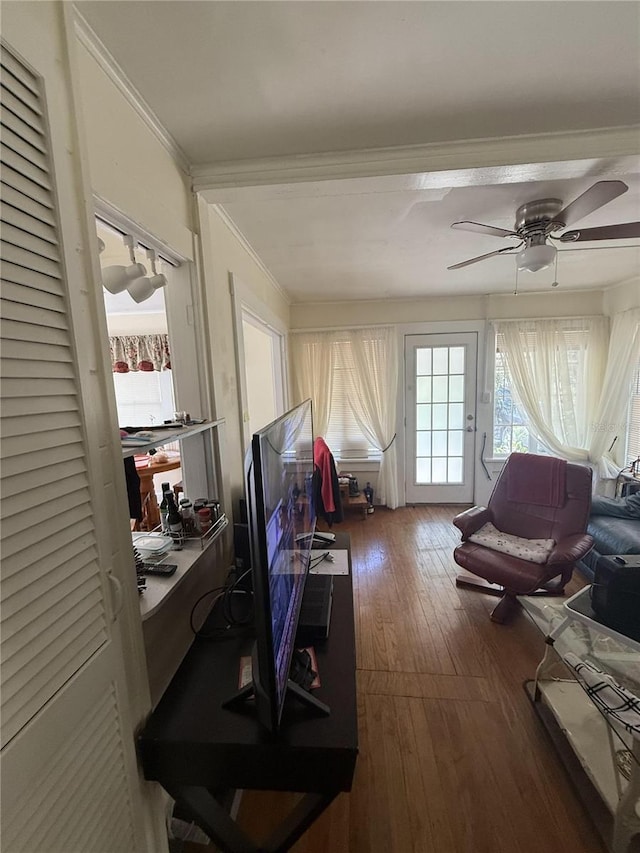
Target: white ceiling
x,y
232,81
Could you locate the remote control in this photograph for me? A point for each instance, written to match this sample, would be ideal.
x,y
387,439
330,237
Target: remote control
x,y
160,569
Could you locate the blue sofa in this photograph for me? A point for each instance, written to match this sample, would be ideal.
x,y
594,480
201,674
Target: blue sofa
x,y
611,536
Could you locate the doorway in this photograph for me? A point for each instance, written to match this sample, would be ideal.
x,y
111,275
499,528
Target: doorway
x,y
440,406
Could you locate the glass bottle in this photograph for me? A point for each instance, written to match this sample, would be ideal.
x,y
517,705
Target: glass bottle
x,y
174,519
164,506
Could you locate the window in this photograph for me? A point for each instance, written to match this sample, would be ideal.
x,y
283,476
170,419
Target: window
x,y
633,430
558,365
143,397
511,430
344,436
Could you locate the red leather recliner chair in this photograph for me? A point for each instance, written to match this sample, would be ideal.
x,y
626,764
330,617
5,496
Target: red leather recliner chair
x,y
535,497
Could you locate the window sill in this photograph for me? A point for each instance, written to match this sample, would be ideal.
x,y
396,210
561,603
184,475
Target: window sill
x,y
351,463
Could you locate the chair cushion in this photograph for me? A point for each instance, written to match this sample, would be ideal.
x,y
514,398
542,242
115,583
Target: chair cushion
x,y
533,550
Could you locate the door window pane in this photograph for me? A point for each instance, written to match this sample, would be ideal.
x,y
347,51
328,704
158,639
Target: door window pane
x,y
456,415
439,468
440,387
423,471
440,360
423,444
456,359
423,389
423,361
456,389
423,416
440,416
455,469
440,443
455,442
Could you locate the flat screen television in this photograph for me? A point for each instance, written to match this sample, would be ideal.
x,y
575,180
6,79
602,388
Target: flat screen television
x,y
281,519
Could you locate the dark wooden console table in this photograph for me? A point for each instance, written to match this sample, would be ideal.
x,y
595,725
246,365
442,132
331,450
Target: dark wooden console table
x,y
197,750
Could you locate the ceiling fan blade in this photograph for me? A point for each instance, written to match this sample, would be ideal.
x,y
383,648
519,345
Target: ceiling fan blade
x,y
483,229
605,232
596,196
482,257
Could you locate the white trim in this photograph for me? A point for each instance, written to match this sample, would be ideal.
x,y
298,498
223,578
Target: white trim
x,y
89,40
237,233
612,142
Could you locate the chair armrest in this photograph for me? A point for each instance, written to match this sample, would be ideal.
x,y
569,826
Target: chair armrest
x,y
471,520
570,549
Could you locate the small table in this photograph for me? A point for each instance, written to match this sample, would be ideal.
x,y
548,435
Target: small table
x,y
607,753
146,471
354,501
197,749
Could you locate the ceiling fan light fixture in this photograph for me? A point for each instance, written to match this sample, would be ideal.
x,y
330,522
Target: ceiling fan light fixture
x,y
535,258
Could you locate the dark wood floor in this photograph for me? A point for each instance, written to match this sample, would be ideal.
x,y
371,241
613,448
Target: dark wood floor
x,y
452,757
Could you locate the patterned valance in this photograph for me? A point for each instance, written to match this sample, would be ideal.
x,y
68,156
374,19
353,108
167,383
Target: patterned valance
x,y
140,352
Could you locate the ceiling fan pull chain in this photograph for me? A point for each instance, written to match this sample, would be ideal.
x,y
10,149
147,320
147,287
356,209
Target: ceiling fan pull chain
x,y
554,283
515,292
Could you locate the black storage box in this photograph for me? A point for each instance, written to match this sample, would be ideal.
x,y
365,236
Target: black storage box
x,y
615,594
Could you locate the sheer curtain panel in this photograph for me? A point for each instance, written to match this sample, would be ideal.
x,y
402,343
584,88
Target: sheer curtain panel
x,y
557,370
373,384
609,426
312,374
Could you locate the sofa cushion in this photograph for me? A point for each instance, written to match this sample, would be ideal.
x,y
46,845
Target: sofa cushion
x,y
533,550
615,535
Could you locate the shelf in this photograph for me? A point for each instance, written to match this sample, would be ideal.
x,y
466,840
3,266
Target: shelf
x,y
165,436
586,731
159,589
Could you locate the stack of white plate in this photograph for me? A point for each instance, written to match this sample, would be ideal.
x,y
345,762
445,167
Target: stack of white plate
x,y
151,546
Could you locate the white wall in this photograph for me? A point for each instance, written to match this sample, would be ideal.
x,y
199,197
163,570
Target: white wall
x,y
554,303
223,254
129,166
622,298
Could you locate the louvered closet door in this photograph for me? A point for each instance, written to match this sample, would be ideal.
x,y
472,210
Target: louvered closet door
x,y
65,786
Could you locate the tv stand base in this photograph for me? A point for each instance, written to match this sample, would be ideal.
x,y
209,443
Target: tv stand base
x,y
248,692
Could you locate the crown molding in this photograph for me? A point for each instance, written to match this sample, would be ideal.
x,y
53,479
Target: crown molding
x,y
88,38
231,225
609,143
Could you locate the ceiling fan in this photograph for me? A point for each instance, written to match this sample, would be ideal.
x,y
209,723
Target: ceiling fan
x,y
537,220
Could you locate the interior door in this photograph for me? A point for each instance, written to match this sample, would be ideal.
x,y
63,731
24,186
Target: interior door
x,y
440,406
69,777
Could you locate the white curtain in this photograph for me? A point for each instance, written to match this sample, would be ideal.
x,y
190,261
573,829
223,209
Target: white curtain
x,y
610,421
373,385
312,374
557,368
140,352
370,361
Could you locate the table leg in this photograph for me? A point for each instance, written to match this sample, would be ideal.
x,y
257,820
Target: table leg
x,y
298,821
212,818
224,831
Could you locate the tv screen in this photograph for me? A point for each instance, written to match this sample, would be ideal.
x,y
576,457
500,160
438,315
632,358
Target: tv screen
x,y
281,517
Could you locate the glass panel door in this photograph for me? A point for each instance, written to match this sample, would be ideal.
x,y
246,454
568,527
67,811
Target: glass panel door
x,y
440,404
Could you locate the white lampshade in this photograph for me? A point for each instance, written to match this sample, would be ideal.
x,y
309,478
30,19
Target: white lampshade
x,y
535,258
158,281
140,289
116,278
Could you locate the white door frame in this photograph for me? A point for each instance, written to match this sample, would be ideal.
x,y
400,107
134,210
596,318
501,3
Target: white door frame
x,y
245,303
